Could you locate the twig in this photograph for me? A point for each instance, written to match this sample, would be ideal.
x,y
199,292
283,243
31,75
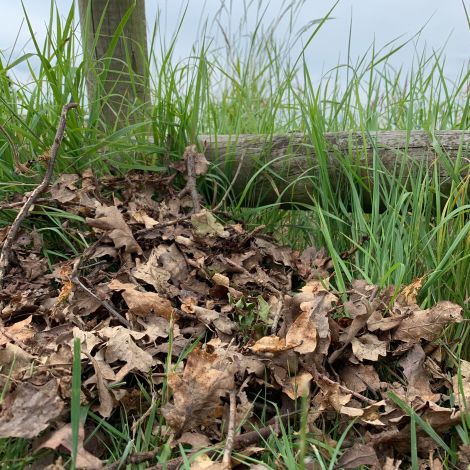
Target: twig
x,y
190,188
346,389
5,255
74,277
277,315
13,205
230,432
240,442
137,458
255,280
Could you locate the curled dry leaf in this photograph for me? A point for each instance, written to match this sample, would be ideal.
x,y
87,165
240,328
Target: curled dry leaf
x,y
207,377
111,221
269,344
368,347
298,386
407,296
428,324
143,303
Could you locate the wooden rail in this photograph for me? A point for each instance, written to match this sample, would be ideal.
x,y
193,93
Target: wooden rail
x,y
286,167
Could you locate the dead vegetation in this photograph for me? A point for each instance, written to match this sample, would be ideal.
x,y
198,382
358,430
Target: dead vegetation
x,y
209,315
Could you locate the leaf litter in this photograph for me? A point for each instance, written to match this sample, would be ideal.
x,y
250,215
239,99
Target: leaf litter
x,y
199,308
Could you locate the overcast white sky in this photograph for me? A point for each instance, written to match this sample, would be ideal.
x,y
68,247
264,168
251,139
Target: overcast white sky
x,y
379,20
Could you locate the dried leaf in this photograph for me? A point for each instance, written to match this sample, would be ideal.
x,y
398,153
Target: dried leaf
x,y
359,454
368,347
121,347
298,386
63,437
407,296
110,220
360,377
30,409
205,223
143,303
269,344
21,331
196,394
428,324
302,334
416,375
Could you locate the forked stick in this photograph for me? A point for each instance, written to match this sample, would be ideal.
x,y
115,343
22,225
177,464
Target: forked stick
x,y
5,255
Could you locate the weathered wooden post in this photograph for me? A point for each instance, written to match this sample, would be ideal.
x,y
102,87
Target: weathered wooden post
x,y
290,161
115,46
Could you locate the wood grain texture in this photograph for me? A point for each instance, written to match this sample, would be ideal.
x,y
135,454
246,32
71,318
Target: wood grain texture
x,y
292,162
126,82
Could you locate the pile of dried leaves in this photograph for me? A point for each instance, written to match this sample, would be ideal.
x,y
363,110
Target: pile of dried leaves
x,y
171,295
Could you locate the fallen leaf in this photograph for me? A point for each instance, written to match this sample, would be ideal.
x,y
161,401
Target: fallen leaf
x,y
269,344
196,394
368,347
358,455
110,220
298,386
359,378
428,324
417,377
407,296
143,303
205,223
63,437
21,330
29,410
64,189
121,347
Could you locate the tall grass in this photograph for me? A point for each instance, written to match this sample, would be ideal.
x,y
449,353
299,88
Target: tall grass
x,y
254,85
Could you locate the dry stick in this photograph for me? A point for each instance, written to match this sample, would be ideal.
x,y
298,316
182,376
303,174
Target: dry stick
x,y
13,205
76,280
230,431
247,273
239,442
347,390
277,315
190,187
5,255
140,457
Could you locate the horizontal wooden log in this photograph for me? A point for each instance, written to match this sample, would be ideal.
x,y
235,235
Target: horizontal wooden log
x,y
288,168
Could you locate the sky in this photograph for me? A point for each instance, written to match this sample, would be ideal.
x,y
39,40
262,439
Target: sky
x,y
442,23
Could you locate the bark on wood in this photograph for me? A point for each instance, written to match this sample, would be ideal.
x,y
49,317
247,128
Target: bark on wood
x,y
292,163
126,83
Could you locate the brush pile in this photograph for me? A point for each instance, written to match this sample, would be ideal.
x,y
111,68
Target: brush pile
x,y
224,328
